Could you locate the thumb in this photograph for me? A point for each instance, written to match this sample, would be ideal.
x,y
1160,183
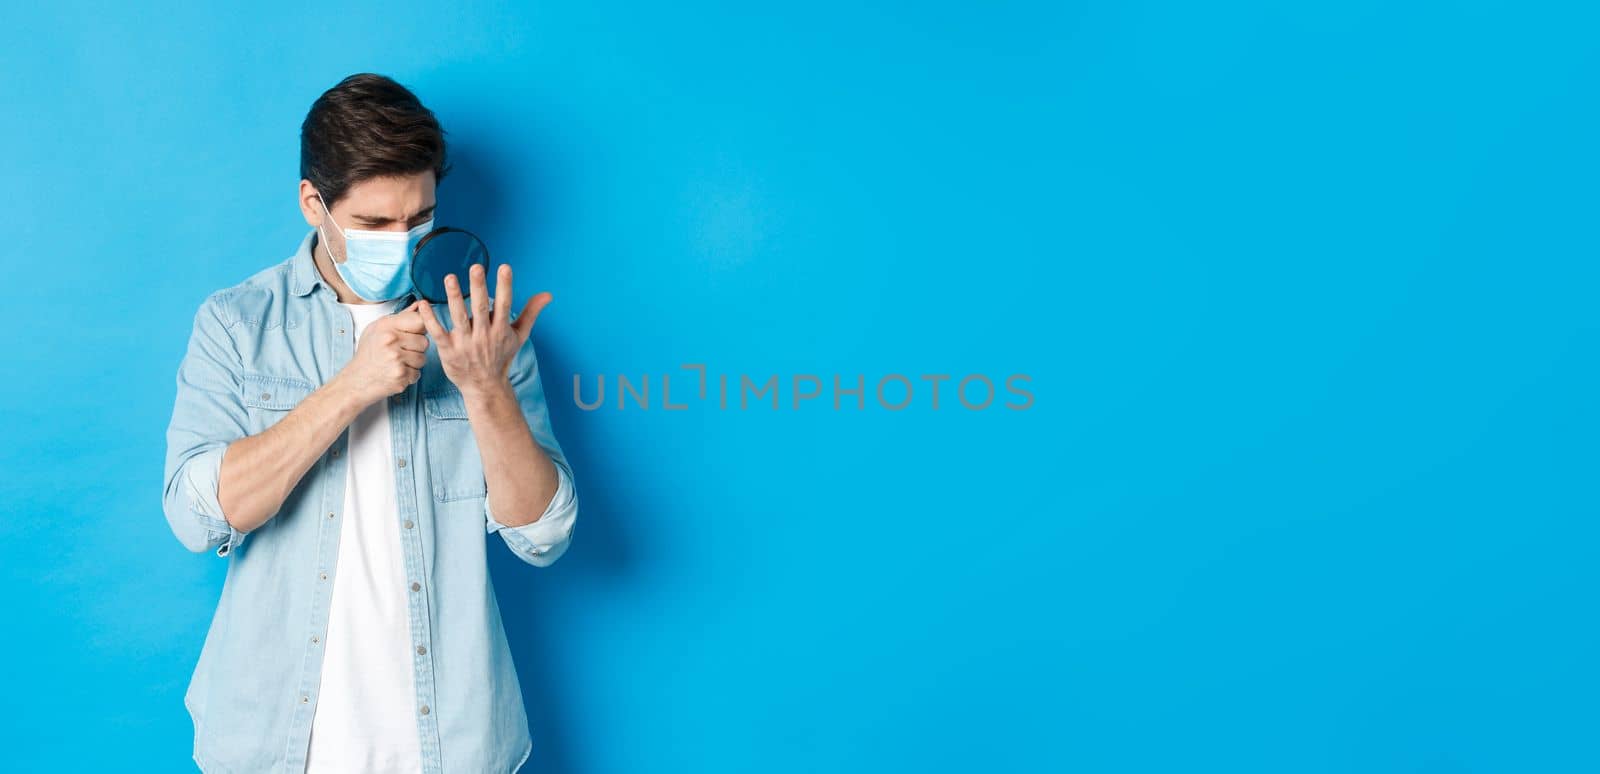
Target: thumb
x,y
530,313
410,318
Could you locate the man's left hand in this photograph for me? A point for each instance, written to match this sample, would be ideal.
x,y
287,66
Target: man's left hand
x,y
477,351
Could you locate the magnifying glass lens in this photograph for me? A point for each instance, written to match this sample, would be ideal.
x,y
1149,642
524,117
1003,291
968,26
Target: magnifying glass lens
x,y
446,251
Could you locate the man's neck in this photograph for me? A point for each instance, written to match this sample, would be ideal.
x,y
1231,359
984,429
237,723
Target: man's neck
x,y
323,260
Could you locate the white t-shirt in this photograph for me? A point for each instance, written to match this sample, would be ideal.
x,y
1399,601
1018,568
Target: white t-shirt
x,y
366,720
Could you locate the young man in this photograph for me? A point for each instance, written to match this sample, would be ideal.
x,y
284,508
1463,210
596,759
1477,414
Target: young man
x,y
348,447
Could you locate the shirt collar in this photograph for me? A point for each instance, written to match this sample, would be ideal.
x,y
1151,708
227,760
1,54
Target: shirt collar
x,y
304,275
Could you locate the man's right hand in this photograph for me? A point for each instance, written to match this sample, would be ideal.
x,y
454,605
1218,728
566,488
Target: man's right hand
x,y
389,357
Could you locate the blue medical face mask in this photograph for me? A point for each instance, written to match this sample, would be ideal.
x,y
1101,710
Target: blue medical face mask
x,y
377,264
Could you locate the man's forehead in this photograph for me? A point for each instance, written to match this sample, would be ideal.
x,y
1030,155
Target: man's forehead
x,y
390,197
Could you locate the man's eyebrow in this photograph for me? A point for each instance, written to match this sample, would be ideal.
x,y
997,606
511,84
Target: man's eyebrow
x,y
377,220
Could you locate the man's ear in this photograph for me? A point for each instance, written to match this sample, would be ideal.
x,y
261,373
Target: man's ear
x,y
310,206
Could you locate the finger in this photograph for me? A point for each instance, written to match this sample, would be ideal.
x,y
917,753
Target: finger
x,y
412,374
458,308
435,328
530,313
413,358
407,319
503,296
414,342
478,278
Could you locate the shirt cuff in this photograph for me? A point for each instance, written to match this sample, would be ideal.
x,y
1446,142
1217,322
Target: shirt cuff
x,y
543,541
201,475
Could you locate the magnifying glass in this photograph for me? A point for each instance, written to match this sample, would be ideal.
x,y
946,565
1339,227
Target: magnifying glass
x,y
442,251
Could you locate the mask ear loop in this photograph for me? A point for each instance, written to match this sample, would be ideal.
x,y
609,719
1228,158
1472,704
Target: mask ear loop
x,y
326,245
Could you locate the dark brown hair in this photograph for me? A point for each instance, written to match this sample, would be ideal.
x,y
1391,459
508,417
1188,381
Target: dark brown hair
x,y
368,126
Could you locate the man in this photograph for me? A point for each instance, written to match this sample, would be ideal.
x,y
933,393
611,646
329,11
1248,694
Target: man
x,y
348,447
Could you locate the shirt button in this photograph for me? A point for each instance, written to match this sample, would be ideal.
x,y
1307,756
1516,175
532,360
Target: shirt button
x,y
422,650
315,639
415,586
322,575
424,709
335,452
341,331
266,396
402,462
408,524
304,699
330,514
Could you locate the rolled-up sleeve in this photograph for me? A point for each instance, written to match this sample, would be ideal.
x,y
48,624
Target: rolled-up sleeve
x,y
207,415
541,542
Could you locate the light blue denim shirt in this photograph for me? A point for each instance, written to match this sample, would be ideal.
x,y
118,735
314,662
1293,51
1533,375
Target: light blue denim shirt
x,y
257,349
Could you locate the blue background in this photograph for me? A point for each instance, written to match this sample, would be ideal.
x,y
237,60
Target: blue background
x,y
1306,295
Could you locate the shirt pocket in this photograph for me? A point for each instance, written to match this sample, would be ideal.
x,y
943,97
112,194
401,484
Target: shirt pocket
x,y
268,399
455,468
